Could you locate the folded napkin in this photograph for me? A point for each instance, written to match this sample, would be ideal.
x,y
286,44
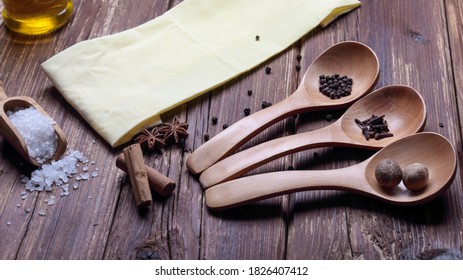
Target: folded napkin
x,y
121,83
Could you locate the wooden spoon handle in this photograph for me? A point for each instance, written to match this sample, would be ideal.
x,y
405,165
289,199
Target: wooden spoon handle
x,y
238,164
2,92
258,187
224,143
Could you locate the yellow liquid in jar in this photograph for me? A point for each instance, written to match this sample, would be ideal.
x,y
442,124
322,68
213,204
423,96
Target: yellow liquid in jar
x,y
35,17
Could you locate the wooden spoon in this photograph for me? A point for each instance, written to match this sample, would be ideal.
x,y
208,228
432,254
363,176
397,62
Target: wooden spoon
x,y
11,133
404,110
430,149
347,58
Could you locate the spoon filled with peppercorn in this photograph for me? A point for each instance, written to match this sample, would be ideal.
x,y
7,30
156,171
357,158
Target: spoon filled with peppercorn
x,y
372,122
351,59
13,135
429,149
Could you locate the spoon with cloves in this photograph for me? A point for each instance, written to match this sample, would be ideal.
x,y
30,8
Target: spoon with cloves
x,y
12,134
402,107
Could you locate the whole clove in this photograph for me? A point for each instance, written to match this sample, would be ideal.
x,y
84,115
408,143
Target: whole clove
x,y
375,127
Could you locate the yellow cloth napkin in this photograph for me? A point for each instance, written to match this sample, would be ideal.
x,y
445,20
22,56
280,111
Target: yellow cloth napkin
x,y
121,83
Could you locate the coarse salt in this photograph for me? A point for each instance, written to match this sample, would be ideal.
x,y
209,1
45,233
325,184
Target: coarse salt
x,y
37,131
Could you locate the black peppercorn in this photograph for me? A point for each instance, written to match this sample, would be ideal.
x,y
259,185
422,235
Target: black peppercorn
x,y
206,137
335,86
214,120
298,67
266,104
299,57
249,92
268,70
257,37
225,126
247,111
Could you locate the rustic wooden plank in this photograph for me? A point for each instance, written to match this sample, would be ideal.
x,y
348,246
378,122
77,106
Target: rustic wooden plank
x,y
227,234
78,226
412,52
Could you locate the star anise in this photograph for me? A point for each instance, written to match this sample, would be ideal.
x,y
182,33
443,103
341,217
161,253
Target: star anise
x,y
174,131
152,138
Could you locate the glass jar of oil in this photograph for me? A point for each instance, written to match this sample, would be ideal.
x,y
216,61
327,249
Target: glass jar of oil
x,y
36,17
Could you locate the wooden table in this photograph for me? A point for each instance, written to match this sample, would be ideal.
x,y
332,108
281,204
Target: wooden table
x,y
418,44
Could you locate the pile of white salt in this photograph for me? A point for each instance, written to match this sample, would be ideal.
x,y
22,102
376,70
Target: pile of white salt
x,y
37,131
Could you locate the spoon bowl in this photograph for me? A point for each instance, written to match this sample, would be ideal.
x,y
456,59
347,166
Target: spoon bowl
x,y
11,133
404,110
349,58
431,149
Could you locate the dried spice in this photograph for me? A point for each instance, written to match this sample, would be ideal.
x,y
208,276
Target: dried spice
x,y
247,111
206,137
268,70
225,126
153,139
299,57
266,104
257,37
335,86
249,92
158,137
214,120
375,127
174,131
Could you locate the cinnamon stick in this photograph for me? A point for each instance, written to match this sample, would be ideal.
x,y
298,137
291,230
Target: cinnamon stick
x,y
158,182
136,170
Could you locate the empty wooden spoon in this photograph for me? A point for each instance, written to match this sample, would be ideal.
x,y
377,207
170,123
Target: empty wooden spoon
x,y
347,58
427,148
11,133
404,110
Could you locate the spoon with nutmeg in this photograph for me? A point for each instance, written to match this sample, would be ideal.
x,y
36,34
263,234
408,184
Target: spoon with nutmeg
x,y
395,102
430,149
13,135
349,58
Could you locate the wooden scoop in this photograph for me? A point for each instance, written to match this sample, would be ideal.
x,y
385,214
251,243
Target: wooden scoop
x,y
427,148
404,110
347,58
11,133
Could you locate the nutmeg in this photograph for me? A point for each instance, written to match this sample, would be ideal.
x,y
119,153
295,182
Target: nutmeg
x,y
415,176
388,173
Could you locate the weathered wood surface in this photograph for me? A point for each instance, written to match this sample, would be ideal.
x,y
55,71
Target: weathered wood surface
x,y
418,44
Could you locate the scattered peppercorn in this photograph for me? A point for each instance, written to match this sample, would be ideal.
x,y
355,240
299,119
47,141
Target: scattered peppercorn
x,y
441,124
298,67
214,120
206,137
375,127
268,70
225,126
247,111
257,37
299,57
335,86
249,92
266,104
290,167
